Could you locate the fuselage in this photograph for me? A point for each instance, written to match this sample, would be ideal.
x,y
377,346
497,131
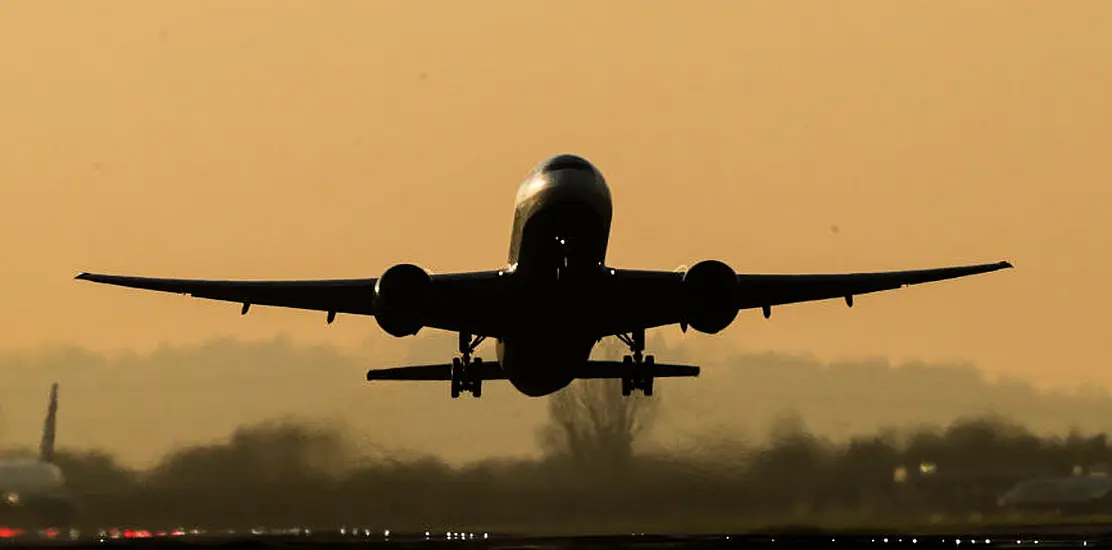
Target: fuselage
x,y
33,492
557,257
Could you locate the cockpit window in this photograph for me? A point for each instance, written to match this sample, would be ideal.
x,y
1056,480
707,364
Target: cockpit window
x,y
567,162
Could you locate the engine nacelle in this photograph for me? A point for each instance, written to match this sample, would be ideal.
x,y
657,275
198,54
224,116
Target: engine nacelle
x,y
710,296
402,294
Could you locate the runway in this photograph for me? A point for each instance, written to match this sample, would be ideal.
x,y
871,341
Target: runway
x,y
1068,537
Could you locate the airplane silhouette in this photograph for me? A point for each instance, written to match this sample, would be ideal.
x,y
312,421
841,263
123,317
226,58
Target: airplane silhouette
x,y
554,300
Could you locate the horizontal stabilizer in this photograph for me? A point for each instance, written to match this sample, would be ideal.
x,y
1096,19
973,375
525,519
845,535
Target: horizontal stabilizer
x,y
492,371
613,369
489,371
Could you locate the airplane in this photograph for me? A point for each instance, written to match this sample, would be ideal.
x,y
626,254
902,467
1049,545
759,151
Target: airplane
x,y
555,298
34,490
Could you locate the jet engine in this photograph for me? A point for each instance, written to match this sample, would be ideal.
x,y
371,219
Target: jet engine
x,y
402,294
710,296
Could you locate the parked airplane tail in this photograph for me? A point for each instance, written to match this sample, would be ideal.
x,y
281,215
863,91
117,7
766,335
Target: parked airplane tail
x,y
50,425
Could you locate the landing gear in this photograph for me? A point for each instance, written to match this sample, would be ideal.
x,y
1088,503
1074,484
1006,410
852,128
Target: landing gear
x,y
467,374
638,368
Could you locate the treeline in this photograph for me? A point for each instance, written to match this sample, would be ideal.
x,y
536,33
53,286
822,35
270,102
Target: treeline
x,y
595,474
138,405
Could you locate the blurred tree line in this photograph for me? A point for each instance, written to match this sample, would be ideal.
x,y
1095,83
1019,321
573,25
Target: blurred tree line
x,y
593,475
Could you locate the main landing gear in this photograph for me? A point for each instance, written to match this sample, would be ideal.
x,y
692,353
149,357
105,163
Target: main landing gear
x,y
638,368
467,374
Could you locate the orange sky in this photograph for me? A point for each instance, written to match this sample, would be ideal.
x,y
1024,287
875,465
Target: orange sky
x,y
317,140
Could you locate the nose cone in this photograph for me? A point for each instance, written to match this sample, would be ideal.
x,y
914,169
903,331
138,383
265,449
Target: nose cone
x,y
565,179
566,162
571,177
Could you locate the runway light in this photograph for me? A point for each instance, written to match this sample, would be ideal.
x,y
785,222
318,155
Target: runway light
x,y
386,533
914,541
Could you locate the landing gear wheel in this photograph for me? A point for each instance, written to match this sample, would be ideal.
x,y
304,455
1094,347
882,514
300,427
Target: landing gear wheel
x,y
467,376
637,369
457,372
646,381
475,378
627,376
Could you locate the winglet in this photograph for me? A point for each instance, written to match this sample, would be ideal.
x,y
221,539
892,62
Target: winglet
x,y
1006,265
82,276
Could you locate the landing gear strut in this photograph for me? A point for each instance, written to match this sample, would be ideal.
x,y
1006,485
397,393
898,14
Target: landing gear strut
x,y
638,368
467,374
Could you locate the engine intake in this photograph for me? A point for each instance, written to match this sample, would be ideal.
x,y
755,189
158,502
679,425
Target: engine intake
x,y
710,296
402,295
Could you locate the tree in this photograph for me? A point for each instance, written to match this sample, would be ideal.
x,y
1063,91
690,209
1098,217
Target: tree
x,y
591,422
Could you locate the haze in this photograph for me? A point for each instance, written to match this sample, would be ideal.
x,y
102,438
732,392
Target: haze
x,y
309,140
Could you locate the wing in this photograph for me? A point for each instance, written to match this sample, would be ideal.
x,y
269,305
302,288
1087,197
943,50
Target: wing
x,y
353,296
773,290
640,299
457,302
